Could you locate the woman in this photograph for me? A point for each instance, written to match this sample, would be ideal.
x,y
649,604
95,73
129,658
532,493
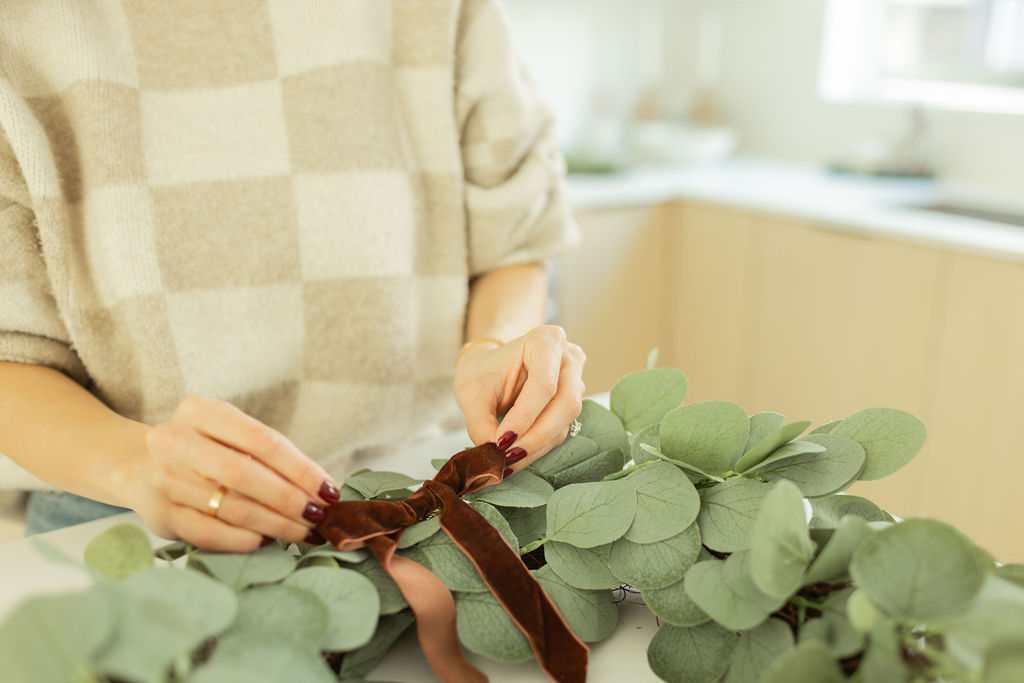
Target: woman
x,y
227,222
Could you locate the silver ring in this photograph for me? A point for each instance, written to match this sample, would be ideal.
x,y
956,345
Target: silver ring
x,y
575,428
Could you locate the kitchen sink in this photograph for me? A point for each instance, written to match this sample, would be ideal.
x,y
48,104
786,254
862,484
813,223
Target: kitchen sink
x,y
993,215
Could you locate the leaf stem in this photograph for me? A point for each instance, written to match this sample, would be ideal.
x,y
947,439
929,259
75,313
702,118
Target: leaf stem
x,y
679,463
529,548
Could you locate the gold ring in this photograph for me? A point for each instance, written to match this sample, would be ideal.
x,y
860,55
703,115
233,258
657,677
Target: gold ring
x,y
215,500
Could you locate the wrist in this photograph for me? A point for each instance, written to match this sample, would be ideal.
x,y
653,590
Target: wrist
x,y
130,458
478,344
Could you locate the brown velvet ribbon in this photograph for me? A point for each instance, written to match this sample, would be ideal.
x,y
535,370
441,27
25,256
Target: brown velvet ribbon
x,y
378,525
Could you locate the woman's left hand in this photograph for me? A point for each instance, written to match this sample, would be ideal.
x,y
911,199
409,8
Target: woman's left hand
x,y
536,381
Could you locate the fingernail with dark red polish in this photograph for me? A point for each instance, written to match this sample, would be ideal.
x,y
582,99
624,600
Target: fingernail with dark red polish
x,y
267,540
314,538
329,492
314,513
507,473
515,455
506,440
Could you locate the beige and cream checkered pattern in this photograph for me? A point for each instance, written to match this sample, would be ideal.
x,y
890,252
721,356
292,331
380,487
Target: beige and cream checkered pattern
x,y
274,202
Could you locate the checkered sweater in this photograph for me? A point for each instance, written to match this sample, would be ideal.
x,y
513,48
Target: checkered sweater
x,y
273,202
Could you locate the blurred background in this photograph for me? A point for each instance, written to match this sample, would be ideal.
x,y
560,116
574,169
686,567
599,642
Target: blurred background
x,y
811,207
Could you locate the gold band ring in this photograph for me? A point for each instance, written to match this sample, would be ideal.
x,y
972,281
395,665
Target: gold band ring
x,y
215,500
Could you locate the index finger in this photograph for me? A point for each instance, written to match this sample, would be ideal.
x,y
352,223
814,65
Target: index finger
x,y
227,424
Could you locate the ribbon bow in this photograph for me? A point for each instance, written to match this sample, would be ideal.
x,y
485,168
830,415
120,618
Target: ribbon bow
x,y
378,524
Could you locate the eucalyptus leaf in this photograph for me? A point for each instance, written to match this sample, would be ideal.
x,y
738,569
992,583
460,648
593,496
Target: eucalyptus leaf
x,y
351,601
762,425
592,514
389,628
372,484
647,436
808,662
643,398
883,658
781,547
329,551
521,490
667,503
591,614
495,519
709,435
833,627
655,565
920,569
281,612
788,452
995,615
528,524
695,474
691,655
486,629
1004,663
863,614
756,649
728,511
603,427
585,568
440,555
757,451
674,605
1012,572
260,657
119,551
891,438
577,459
391,598
239,570
826,512
833,562
54,637
419,531
438,463
725,591
349,493
825,428
832,469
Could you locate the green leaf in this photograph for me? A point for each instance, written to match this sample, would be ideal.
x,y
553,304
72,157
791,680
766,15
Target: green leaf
x,y
655,565
996,615
349,493
485,628
577,459
891,438
521,490
788,452
725,590
756,649
652,359
691,655
528,524
674,605
646,436
883,658
438,463
389,628
372,484
920,569
119,551
833,627
833,562
1012,572
259,657
239,570
643,398
440,555
762,425
285,613
825,428
808,662
826,512
667,503
161,615
1004,663
420,531
329,551
695,474
603,427
863,614
770,443
53,638
709,435
497,520
351,601
585,568
727,513
781,547
589,515
591,614
391,599
821,473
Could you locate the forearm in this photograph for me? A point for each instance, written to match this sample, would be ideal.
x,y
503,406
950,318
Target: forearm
x,y
507,303
64,435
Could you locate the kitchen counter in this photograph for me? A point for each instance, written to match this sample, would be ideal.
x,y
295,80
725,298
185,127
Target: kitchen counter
x,y
880,207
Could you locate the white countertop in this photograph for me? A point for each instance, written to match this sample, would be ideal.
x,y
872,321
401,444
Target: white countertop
x,y
884,207
51,563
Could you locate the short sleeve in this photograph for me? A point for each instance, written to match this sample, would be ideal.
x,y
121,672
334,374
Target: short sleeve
x,y
516,203
31,329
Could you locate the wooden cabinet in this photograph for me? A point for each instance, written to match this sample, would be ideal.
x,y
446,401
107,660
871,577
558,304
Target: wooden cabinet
x,y
780,314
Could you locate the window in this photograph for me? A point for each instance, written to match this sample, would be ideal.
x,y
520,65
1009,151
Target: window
x,y
956,54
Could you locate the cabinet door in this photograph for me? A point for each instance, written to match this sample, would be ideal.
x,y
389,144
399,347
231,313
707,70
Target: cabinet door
x,y
609,292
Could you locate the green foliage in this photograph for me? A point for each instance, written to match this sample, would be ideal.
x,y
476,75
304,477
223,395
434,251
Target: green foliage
x,y
756,649
266,565
728,512
658,564
587,568
642,398
589,515
119,551
485,628
691,655
591,614
372,484
780,547
709,435
891,438
352,605
667,503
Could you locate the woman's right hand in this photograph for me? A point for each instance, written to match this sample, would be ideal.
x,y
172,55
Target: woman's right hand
x,y
273,490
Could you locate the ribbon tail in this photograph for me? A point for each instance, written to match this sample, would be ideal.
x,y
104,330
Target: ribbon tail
x,y
434,607
561,654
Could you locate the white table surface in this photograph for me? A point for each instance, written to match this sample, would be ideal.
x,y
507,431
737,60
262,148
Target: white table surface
x,y
51,563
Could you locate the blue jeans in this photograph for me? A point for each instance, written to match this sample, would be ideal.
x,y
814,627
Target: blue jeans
x,y
49,510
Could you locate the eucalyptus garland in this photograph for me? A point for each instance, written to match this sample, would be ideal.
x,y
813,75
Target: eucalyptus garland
x,y
729,526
